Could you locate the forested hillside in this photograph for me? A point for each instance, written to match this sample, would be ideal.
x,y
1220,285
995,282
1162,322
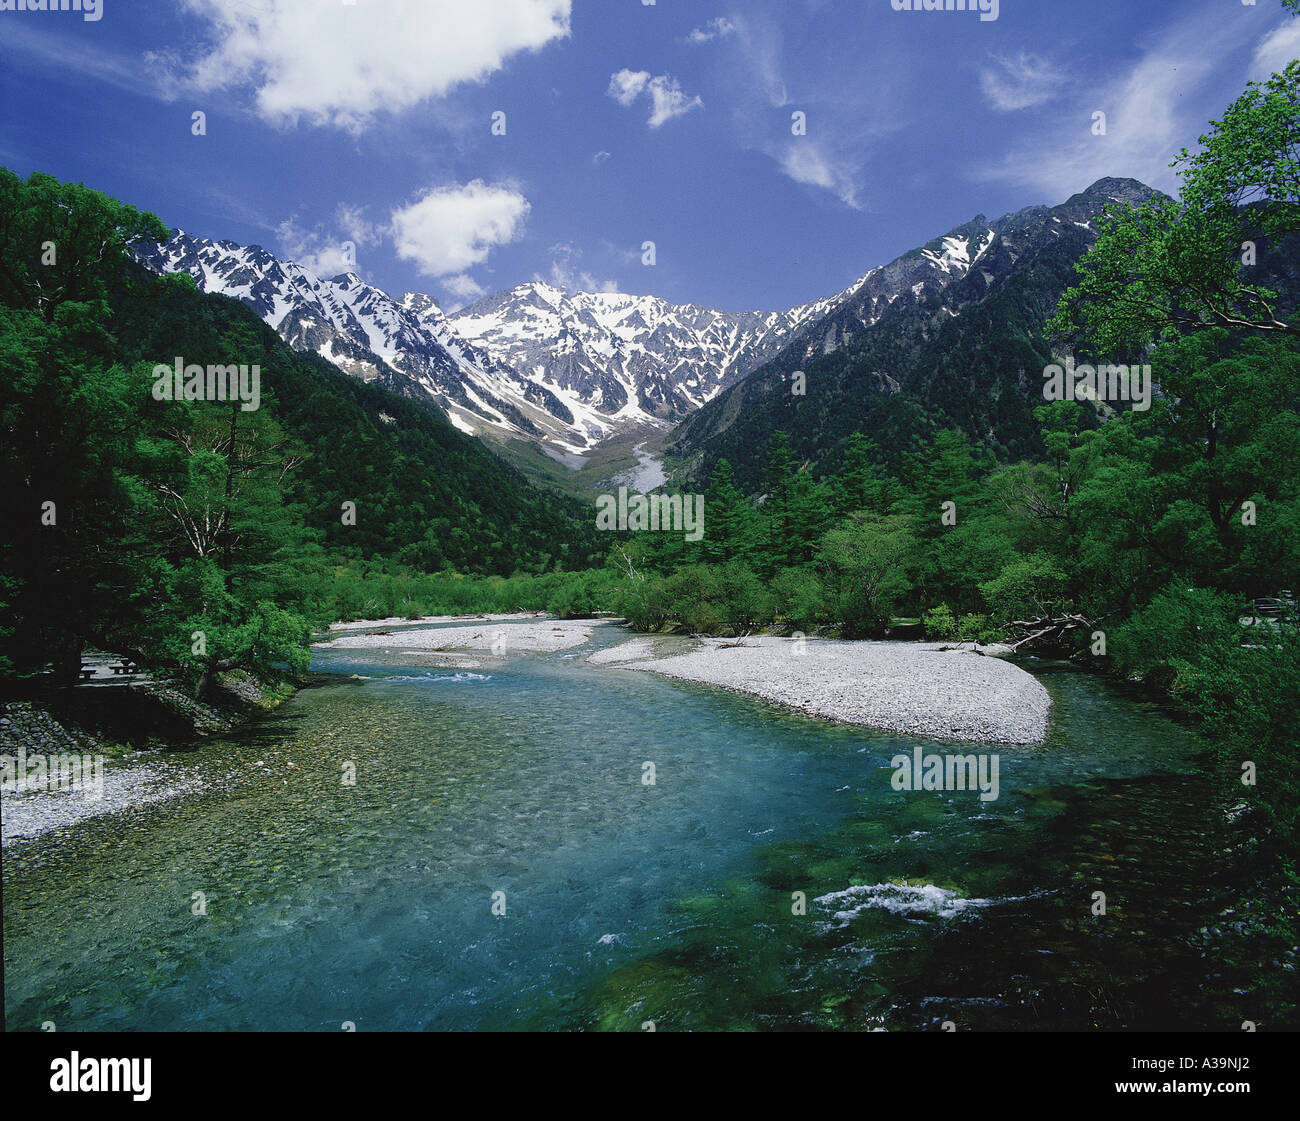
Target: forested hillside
x,y
198,535
968,356
1158,544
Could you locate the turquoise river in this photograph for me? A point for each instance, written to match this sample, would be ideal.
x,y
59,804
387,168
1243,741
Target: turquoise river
x,y
332,906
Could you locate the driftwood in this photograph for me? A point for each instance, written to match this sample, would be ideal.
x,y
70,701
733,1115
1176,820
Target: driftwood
x,y
1047,631
740,641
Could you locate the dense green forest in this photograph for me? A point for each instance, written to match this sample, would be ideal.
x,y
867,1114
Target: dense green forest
x,y
1138,541
199,536
196,537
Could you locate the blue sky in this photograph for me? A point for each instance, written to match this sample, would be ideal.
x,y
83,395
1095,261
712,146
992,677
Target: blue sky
x,y
372,123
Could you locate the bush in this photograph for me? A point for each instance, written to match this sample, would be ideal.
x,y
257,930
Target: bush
x,y
866,563
745,602
939,623
799,598
1025,589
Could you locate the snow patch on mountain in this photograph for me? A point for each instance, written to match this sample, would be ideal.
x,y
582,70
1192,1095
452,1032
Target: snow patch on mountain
x,y
567,370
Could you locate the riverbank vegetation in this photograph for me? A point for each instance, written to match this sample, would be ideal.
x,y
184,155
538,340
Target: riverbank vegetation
x,y
198,537
202,540
1161,544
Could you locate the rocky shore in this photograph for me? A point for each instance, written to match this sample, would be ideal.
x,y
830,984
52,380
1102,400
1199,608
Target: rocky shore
x,y
914,687
104,729
484,637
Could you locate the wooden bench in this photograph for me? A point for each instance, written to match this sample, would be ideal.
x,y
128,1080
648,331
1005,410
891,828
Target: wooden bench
x,y
125,667
87,674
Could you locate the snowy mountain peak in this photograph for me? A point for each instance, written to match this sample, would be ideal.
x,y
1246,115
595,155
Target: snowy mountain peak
x,y
565,369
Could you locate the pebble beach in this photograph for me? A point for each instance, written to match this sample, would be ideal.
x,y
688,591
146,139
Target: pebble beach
x,y
914,687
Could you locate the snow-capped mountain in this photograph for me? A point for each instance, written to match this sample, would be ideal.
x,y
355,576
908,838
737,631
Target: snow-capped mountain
x,y
567,370
951,334
626,357
407,343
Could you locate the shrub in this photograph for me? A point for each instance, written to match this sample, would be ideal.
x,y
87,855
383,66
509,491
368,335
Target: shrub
x,y
939,623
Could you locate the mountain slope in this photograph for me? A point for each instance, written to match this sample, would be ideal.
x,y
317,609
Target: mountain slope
x,y
425,494
568,371
960,347
534,363
404,344
613,357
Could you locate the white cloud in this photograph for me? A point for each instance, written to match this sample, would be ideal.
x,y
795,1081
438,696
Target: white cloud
x,y
565,272
356,227
805,162
1275,50
451,229
626,86
1018,83
667,99
329,253
600,157
718,28
323,260
335,63
463,286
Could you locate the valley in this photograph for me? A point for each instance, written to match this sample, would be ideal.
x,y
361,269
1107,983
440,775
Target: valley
x,y
404,627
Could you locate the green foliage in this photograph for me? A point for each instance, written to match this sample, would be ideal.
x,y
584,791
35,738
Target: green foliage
x,y
65,246
976,628
799,599
1026,589
382,589
70,411
733,524
939,623
198,537
1243,682
867,571
1176,266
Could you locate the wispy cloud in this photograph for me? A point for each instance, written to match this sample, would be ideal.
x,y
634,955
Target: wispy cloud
x,y
72,55
667,98
1011,83
718,28
463,287
804,162
329,251
1155,104
1275,50
566,272
843,115
760,44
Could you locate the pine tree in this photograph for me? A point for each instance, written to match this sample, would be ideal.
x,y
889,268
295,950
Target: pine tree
x,y
731,523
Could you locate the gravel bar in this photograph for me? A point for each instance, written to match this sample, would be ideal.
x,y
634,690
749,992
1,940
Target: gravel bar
x,y
915,687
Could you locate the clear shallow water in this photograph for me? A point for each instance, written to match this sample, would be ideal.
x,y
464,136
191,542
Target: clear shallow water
x,y
624,902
